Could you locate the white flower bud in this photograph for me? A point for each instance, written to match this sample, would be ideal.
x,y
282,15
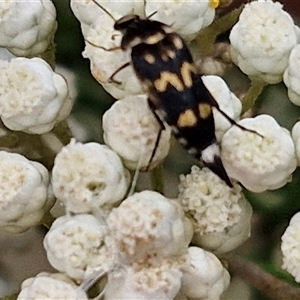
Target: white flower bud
x,y
24,192
75,244
148,224
290,247
88,177
227,101
27,26
211,65
33,98
221,215
296,139
144,282
262,40
50,286
203,276
87,12
104,63
186,17
260,163
131,130
98,30
123,8
291,76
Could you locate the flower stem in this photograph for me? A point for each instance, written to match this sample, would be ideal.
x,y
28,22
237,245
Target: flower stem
x,y
48,220
157,180
208,35
254,91
11,297
268,284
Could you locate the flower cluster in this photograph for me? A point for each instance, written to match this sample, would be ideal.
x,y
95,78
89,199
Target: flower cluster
x,y
265,46
140,242
257,152
143,247
33,99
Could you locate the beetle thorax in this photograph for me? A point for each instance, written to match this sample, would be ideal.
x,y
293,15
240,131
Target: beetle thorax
x,y
137,30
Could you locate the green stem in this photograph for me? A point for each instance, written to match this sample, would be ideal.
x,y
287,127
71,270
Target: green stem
x,y
48,220
24,143
208,35
62,132
157,179
254,91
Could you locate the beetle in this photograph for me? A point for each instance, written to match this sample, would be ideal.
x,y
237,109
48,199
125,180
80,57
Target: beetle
x,y
176,93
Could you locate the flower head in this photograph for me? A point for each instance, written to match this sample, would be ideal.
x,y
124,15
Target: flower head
x,y
87,12
262,40
33,98
291,76
148,224
27,26
221,215
75,244
217,60
131,130
88,177
290,247
138,281
226,100
260,163
50,286
104,63
203,276
25,192
186,17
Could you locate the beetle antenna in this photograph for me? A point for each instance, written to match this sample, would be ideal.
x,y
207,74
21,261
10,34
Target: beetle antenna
x,y
105,10
151,15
